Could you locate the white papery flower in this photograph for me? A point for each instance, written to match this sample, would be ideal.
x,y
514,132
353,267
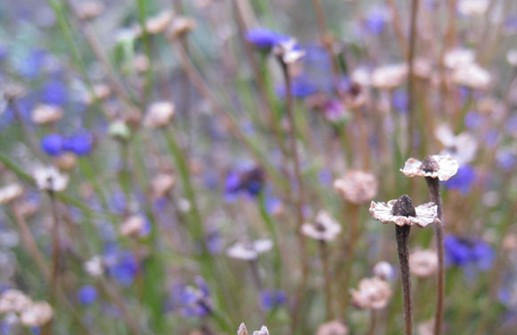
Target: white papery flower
x,y
462,148
442,167
249,250
402,213
325,228
50,179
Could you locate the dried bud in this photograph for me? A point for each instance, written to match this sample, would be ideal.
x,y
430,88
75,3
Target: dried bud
x,y
357,187
404,207
46,114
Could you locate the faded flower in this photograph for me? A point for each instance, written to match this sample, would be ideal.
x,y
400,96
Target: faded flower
x,y
50,179
13,301
181,26
249,250
373,293
442,167
472,76
288,51
472,7
389,76
46,114
384,270
423,263
334,327
325,228
357,187
461,148
402,212
162,184
133,226
159,114
9,193
36,314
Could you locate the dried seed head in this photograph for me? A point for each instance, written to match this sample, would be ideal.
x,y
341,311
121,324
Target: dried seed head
x,y
429,164
242,330
404,207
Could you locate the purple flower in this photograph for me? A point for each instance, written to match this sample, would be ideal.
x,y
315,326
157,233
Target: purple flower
x,y
81,144
54,92
463,180
473,120
506,159
463,252
192,301
87,295
301,88
122,266
29,66
400,101
375,21
270,299
265,38
52,144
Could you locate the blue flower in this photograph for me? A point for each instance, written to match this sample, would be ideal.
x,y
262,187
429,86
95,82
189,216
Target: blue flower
x,y
81,144
52,144
375,21
122,266
249,181
473,120
87,295
463,180
270,299
265,38
301,88
400,101
54,92
29,65
192,301
506,159
465,253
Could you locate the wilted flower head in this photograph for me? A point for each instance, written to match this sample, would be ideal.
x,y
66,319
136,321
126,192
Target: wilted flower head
x,y
334,327
159,114
423,263
471,76
357,187
13,301
373,293
158,23
89,10
325,228
442,167
36,314
384,270
249,250
181,26
94,266
9,193
50,179
461,148
389,76
472,7
263,331
402,212
288,51
46,114
162,184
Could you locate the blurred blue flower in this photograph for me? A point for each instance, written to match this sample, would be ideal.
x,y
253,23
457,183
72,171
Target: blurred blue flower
x,y
463,180
80,144
506,159
192,301
122,266
52,144
376,20
270,299
473,120
400,101
87,295
29,65
54,92
248,181
463,252
301,88
511,125
265,38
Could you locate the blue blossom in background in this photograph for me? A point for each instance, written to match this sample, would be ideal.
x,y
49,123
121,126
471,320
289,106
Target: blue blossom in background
x,y
122,266
54,92
265,38
400,101
52,144
506,159
463,180
29,65
376,20
87,295
80,144
301,88
249,181
270,299
473,120
466,253
192,301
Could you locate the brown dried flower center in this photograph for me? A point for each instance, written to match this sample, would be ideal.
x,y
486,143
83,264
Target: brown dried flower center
x,y
429,165
404,207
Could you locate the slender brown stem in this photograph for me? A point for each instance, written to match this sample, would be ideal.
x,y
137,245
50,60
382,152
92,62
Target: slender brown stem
x,y
373,322
434,191
412,119
402,235
323,246
352,211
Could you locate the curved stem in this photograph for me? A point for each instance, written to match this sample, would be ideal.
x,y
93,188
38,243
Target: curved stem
x,y
402,235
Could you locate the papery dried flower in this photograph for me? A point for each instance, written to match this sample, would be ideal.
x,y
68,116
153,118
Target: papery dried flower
x,y
180,27
472,7
511,57
50,179
36,314
133,226
389,76
288,51
162,184
471,76
442,167
157,24
426,328
325,228
263,331
402,212
65,161
456,58
242,329
119,130
13,301
384,270
159,114
249,250
373,293
99,92
334,327
89,10
46,114
94,266
462,147
10,193
423,263
357,187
